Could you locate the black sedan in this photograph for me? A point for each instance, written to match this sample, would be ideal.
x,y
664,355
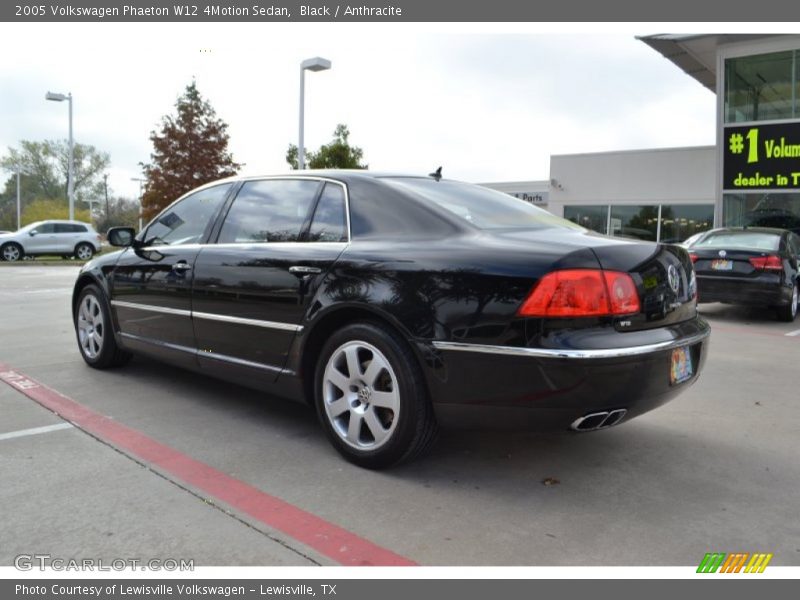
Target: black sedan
x,y
396,304
754,266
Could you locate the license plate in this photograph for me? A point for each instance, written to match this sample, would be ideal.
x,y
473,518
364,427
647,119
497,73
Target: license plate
x,y
722,265
681,367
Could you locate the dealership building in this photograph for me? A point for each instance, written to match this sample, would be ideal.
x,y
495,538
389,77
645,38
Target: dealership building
x,y
750,177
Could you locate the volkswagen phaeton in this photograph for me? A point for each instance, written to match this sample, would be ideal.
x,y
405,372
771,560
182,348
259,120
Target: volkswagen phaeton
x,y
396,305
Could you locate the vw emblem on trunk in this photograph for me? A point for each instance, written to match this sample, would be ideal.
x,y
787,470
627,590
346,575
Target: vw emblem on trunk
x,y
672,277
722,253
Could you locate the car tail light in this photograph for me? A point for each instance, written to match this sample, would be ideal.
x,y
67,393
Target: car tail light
x,y
582,293
771,262
694,257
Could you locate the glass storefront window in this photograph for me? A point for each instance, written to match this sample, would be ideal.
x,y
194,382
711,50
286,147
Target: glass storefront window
x,y
762,87
590,217
762,210
681,221
678,221
639,222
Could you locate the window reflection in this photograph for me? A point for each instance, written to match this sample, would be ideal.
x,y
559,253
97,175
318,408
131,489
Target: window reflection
x,y
588,216
762,210
186,222
272,210
328,224
762,87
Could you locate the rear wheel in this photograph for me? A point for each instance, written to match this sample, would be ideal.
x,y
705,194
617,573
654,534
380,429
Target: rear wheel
x,y
84,251
93,328
788,313
371,397
12,252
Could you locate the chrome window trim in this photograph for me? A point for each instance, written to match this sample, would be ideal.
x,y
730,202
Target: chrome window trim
x,y
208,316
573,354
243,321
151,308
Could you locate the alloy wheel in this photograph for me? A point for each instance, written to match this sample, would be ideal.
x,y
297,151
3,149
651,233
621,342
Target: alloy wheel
x,y
361,395
84,252
11,253
91,327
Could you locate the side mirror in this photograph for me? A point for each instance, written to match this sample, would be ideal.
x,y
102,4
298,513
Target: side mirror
x,y
122,237
33,232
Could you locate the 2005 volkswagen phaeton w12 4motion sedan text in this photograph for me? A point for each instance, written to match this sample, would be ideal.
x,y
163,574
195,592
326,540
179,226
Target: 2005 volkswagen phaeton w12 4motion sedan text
x,y
394,304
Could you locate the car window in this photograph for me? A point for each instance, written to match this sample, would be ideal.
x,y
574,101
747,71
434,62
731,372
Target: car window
x,y
746,240
45,228
186,222
482,207
70,228
794,244
271,210
329,223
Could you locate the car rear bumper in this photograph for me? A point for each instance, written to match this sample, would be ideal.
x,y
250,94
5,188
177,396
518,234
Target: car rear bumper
x,y
543,389
749,292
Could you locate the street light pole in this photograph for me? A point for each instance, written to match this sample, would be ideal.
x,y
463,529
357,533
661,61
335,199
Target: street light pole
x,y
19,204
71,164
310,64
141,207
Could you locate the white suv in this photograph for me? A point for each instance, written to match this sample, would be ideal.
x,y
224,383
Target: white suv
x,y
65,238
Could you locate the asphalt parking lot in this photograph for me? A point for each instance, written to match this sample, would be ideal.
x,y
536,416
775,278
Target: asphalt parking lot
x,y
226,476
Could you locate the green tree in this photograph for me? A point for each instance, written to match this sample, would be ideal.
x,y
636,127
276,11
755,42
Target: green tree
x,y
44,209
338,154
44,167
190,149
121,212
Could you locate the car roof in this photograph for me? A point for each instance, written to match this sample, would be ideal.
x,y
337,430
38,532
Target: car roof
x,y
338,174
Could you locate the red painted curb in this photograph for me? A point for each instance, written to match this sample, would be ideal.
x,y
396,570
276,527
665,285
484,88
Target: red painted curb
x,y
328,539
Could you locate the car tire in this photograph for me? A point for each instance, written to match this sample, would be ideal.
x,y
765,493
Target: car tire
x,y
788,313
367,372
94,330
84,251
12,252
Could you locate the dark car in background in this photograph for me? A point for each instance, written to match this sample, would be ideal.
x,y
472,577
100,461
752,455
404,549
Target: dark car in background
x,y
395,304
751,266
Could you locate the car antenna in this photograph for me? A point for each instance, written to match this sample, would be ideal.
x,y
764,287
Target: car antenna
x,y
437,174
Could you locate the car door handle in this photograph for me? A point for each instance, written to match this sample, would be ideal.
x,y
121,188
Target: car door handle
x,y
181,266
301,270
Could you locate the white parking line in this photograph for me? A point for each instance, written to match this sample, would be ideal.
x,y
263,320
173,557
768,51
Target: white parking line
x,y
794,333
34,431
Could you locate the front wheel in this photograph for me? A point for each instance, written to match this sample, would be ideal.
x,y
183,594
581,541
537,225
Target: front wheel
x,y
371,397
84,251
12,252
93,328
788,313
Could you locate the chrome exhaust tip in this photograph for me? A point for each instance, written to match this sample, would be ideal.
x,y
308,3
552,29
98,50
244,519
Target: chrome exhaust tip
x,y
599,420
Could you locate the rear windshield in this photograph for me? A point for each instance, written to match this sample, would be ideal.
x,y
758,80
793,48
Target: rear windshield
x,y
482,207
745,240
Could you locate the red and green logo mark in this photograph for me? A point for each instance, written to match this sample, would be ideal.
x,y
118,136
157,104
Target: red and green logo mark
x,y
744,562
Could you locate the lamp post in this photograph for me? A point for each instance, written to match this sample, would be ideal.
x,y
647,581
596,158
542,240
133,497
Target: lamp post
x,y
18,170
310,64
70,165
141,181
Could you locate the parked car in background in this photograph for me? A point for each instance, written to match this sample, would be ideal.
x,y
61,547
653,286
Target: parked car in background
x,y
64,238
692,239
395,304
755,266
